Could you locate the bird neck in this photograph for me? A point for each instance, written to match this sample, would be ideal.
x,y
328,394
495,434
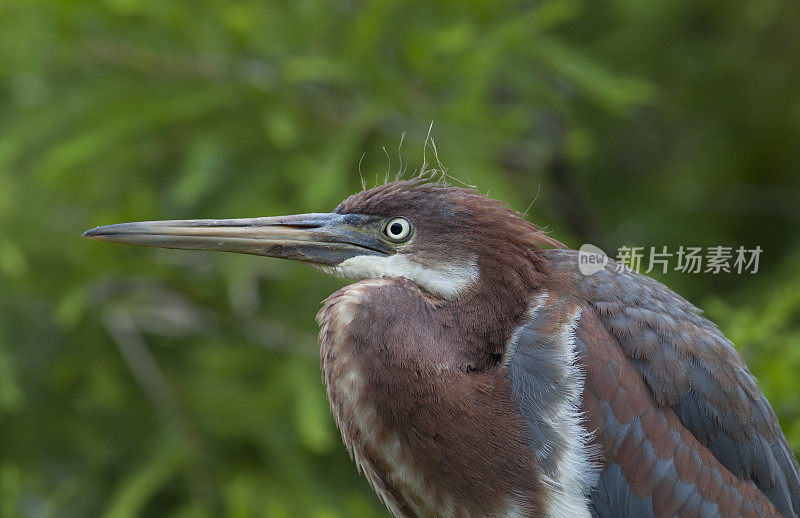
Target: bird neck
x,y
490,312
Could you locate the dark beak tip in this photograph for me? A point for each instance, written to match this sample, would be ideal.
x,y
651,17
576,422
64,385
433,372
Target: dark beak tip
x,y
92,233
97,233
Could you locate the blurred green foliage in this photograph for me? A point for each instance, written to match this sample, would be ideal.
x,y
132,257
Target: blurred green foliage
x,y
138,382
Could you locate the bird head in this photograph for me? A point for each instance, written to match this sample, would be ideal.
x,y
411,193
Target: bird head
x,y
439,236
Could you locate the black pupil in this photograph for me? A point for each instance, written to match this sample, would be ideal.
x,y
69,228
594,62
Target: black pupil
x,y
396,229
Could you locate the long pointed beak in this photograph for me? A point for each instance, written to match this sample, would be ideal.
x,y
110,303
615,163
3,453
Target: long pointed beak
x,y
325,239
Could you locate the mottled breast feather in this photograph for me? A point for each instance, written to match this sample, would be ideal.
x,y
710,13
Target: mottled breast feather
x,y
662,383
393,376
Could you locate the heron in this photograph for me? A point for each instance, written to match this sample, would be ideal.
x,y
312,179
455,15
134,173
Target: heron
x,y
473,370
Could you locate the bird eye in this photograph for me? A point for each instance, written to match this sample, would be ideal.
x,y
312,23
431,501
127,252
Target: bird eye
x,y
398,229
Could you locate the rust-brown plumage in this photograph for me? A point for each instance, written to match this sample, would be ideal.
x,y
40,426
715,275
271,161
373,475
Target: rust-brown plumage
x,y
473,372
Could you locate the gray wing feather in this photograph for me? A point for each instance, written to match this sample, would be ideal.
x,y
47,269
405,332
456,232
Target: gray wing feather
x,y
613,498
691,367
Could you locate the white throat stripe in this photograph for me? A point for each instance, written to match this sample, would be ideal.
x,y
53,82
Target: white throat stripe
x,y
446,280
